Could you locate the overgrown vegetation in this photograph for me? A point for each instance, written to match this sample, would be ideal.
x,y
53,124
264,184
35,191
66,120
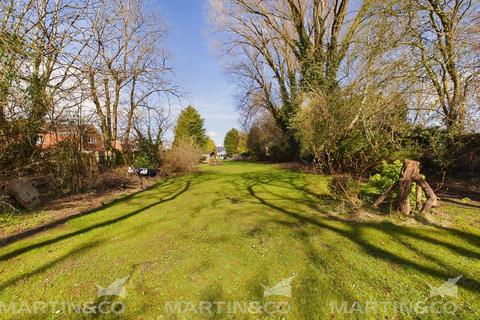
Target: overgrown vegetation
x,y
388,174
348,93
348,89
347,190
83,85
182,158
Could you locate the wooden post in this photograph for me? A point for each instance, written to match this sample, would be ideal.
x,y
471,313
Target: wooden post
x,y
384,195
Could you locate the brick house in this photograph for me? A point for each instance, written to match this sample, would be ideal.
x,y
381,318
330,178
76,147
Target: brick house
x,y
91,140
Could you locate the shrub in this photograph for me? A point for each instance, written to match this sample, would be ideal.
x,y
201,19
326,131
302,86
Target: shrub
x,y
143,161
345,188
440,149
333,132
182,158
388,175
266,142
71,170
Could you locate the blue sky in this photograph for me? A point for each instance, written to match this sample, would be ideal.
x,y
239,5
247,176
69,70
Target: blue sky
x,y
197,68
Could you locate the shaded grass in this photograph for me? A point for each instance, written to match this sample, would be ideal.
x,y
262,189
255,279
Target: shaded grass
x,y
220,234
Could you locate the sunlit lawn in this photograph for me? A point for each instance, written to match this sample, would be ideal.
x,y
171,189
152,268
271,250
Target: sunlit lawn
x,y
220,234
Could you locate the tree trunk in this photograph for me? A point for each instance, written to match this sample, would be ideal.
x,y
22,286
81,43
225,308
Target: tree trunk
x,y
418,196
410,174
410,170
432,198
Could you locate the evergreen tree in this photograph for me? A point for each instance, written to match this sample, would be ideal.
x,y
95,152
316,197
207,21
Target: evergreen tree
x,y
190,127
210,146
231,141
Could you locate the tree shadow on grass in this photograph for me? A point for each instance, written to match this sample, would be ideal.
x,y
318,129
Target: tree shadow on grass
x,y
471,238
354,232
44,227
212,294
308,282
77,251
196,177
460,203
20,251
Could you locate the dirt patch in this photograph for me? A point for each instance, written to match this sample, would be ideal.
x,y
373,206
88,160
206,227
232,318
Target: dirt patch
x,y
58,211
460,189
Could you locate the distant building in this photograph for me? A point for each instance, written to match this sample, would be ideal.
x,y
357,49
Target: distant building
x,y
221,153
89,138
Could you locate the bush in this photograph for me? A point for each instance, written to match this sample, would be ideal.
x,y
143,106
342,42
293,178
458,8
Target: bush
x,y
439,149
266,142
388,175
71,170
340,140
182,158
143,161
345,188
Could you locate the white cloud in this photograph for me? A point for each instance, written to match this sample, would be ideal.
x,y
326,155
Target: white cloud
x,y
212,134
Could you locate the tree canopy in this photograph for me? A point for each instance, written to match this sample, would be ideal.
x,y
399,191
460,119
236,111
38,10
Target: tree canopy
x,y
209,146
190,126
231,141
343,82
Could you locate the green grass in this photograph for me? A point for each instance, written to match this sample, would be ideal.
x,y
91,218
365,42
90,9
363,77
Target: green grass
x,y
10,222
220,234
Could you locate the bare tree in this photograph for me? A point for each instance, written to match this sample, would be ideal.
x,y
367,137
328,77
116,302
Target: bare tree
x,y
150,84
284,48
126,65
12,17
443,44
38,55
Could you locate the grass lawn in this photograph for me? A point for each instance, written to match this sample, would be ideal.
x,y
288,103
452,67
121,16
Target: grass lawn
x,y
220,234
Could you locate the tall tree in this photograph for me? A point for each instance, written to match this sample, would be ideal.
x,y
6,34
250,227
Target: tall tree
x,y
283,47
209,146
231,141
190,125
442,40
126,64
39,51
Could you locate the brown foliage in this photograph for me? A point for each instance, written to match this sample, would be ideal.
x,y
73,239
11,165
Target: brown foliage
x,y
182,158
345,188
117,178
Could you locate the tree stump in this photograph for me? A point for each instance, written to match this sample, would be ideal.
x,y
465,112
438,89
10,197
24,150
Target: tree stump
x,y
419,197
410,174
410,169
